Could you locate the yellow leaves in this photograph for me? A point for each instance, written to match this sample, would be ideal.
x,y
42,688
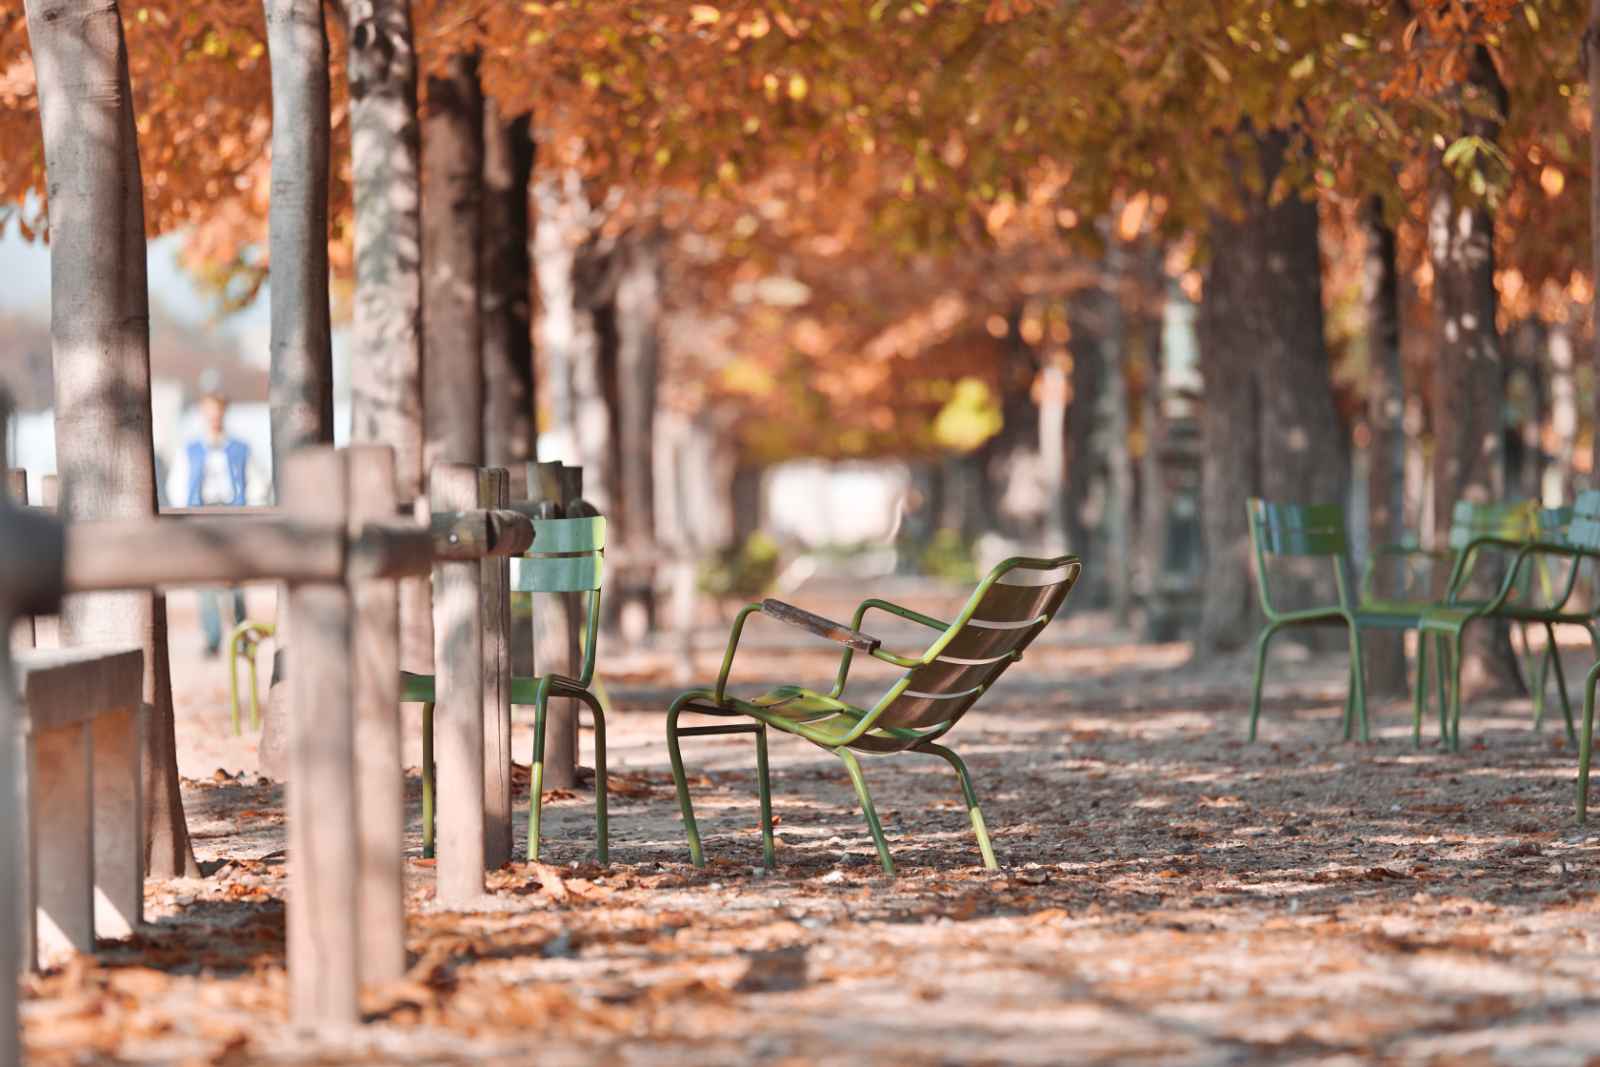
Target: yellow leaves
x,y
970,417
704,15
1552,181
1218,69
798,87
1303,67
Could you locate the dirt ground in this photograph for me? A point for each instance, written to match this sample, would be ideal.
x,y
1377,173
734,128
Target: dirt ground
x,y
1168,893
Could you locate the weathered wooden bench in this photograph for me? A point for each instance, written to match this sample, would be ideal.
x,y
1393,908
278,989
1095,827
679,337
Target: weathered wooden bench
x,y
83,833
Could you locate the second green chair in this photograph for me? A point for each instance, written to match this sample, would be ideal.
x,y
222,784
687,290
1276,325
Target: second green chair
x,y
568,557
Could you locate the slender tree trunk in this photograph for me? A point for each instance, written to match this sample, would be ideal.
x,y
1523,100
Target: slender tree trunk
x,y
100,337
638,319
302,355
1469,443
1563,385
506,284
1087,320
386,348
452,225
1591,41
1118,521
301,390
1153,496
1386,409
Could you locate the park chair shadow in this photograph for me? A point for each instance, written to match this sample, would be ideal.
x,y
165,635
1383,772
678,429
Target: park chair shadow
x,y
998,622
568,556
1317,531
1526,594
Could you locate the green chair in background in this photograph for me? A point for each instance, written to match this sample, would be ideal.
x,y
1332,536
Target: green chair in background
x,y
244,641
568,557
939,686
1317,532
1526,594
1583,538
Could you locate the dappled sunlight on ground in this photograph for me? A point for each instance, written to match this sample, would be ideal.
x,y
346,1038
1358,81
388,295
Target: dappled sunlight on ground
x,y
1170,894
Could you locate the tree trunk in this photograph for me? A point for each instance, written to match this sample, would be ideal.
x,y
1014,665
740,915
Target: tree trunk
x,y
1118,521
100,338
1386,450
1591,41
1153,496
1229,430
302,356
386,348
301,390
1087,321
506,286
1469,445
1563,385
1263,348
452,217
638,308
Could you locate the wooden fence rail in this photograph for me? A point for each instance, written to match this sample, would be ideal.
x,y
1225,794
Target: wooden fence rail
x,y
338,546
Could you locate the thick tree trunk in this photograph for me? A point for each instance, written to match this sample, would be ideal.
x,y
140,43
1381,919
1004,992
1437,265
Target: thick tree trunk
x,y
1591,41
1264,358
506,285
1469,445
1386,409
386,349
452,224
1230,418
100,337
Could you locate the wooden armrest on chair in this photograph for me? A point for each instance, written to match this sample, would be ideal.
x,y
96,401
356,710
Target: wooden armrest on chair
x,y
817,624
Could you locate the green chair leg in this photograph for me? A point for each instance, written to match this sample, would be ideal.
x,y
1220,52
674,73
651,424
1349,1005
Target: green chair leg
x,y
1456,655
971,797
233,680
427,781
1535,671
536,767
1349,701
1586,743
1442,681
1551,657
853,765
255,699
697,854
1358,686
1261,668
769,853
1419,696
602,827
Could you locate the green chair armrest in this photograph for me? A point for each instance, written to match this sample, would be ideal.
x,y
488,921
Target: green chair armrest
x,y
817,624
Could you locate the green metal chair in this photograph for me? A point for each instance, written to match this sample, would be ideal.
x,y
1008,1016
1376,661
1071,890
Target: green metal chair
x,y
940,685
1525,595
568,557
1583,537
1317,531
244,641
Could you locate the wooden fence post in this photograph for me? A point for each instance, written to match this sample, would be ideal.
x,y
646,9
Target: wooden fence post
x,y
324,939
458,709
545,488
380,773
495,585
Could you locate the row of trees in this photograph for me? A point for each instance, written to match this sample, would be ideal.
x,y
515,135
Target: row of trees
x,y
863,208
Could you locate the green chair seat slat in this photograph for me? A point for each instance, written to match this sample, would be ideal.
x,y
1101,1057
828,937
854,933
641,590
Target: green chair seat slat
x,y
1299,529
946,676
558,574
569,535
920,710
1510,522
1019,603
977,641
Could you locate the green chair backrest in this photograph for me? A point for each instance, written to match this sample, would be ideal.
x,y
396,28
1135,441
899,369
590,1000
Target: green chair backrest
x,y
1300,530
1516,521
1584,530
1000,619
568,556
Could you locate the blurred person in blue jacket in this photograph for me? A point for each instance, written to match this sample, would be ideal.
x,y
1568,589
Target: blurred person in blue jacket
x,y
215,469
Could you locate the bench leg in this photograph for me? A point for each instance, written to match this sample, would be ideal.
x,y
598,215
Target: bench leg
x,y
62,813
118,823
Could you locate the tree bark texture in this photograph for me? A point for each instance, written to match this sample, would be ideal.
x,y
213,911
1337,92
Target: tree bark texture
x,y
1265,362
506,284
100,338
386,339
301,347
1469,442
1386,466
452,226
1591,52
